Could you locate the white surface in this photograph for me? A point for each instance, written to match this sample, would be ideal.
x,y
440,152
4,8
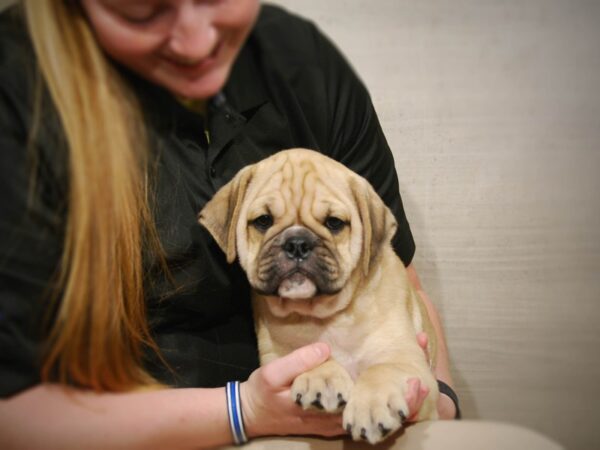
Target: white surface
x,y
492,109
439,435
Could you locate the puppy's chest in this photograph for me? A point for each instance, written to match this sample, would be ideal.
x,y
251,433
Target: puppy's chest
x,y
347,343
346,349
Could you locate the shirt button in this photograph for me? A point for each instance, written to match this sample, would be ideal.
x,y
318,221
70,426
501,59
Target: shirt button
x,y
212,171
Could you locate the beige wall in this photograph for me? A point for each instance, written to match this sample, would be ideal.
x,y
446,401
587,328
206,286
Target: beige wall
x,y
492,109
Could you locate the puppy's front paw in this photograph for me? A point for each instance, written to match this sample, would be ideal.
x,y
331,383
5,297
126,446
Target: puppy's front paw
x,y
376,409
326,387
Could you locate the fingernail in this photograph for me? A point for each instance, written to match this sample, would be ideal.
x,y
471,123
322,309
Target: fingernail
x,y
320,349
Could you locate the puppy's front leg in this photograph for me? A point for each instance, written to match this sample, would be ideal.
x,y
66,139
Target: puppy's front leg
x,y
326,387
378,407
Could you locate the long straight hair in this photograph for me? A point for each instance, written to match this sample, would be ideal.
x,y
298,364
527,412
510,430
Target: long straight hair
x,y
100,332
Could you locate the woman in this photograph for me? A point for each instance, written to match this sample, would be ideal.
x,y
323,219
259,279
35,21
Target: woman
x,y
120,119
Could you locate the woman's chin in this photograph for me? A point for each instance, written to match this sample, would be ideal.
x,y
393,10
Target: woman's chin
x,y
200,89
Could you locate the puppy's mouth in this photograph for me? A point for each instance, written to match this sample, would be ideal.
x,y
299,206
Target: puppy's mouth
x,y
297,286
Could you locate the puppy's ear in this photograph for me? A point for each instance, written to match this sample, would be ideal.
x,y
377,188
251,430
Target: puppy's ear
x,y
220,215
379,224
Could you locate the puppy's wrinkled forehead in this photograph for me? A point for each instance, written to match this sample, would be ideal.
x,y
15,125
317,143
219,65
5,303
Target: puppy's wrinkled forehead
x,y
299,186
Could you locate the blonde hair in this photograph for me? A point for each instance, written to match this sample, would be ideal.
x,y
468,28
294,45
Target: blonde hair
x,y
100,331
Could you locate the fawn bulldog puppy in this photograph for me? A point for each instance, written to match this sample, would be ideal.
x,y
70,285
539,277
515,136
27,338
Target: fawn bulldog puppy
x,y
314,239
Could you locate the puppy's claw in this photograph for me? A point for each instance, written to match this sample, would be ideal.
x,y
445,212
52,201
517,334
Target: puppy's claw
x,y
299,399
384,431
341,401
317,402
363,433
402,416
348,428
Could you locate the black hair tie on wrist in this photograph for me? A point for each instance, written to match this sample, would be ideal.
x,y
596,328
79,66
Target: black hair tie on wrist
x,y
447,390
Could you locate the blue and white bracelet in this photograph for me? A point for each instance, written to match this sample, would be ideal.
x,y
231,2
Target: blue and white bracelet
x,y
234,410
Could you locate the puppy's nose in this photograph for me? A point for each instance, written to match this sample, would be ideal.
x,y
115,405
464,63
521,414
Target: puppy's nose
x,y
297,248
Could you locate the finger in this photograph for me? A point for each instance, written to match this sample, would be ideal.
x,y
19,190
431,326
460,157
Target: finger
x,y
422,393
283,371
328,418
423,341
323,424
412,394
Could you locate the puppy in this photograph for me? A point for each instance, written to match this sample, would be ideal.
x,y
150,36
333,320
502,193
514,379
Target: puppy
x,y
314,240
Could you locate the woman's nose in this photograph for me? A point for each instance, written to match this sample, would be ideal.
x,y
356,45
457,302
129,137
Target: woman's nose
x,y
193,35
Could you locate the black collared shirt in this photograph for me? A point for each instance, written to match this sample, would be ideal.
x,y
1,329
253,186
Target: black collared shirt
x,y
290,87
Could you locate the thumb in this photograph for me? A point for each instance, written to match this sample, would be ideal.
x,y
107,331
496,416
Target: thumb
x,y
281,372
423,340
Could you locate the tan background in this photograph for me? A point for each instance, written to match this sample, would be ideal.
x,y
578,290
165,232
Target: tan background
x,y
492,108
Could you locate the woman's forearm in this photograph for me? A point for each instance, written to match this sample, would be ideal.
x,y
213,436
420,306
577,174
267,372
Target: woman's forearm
x,y
442,366
446,406
52,416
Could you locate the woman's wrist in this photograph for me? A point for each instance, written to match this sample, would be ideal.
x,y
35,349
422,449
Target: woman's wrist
x,y
234,413
448,405
247,411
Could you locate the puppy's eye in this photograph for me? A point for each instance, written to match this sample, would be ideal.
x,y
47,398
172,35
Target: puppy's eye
x,y
334,224
263,223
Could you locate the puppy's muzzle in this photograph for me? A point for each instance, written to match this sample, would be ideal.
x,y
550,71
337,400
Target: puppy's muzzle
x,y
296,264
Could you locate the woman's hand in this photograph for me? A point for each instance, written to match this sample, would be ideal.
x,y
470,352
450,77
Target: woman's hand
x,y
268,408
267,403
